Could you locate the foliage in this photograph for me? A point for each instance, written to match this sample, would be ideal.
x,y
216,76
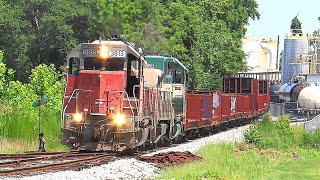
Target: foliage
x,y
139,21
280,135
43,31
1,56
252,135
19,97
296,25
45,81
205,35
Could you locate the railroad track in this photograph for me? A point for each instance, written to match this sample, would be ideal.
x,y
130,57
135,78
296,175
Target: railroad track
x,y
30,163
21,164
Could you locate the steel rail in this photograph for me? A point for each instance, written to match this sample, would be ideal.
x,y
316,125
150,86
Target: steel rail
x,y
33,154
51,157
58,166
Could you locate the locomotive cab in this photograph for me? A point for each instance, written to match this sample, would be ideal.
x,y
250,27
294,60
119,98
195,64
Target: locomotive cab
x,y
174,79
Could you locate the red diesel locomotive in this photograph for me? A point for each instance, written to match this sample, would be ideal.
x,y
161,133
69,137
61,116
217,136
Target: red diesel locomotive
x,y
117,99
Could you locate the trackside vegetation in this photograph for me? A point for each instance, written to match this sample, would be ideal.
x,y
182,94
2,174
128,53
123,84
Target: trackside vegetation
x,y
19,120
272,150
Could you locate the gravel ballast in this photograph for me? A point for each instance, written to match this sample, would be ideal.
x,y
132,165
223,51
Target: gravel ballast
x,y
134,169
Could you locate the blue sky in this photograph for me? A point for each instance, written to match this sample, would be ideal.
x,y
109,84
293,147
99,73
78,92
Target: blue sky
x,y
276,16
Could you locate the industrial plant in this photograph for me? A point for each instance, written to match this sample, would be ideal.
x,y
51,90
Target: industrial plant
x,y
294,73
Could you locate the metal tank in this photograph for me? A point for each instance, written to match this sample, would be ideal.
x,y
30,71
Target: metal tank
x,y
278,109
309,98
289,92
274,92
295,51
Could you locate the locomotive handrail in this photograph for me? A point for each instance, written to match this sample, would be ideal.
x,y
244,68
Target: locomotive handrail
x,y
127,97
70,97
65,90
134,93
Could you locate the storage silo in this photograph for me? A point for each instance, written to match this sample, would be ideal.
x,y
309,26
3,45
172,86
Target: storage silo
x,y
294,58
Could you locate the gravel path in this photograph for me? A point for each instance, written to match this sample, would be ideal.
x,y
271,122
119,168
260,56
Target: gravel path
x,y
134,169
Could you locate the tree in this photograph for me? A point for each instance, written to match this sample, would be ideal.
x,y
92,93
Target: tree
x,y
206,35
296,25
43,31
139,21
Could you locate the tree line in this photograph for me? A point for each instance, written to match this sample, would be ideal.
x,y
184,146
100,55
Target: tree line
x,y
204,34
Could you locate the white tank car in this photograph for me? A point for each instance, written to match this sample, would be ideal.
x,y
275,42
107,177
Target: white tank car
x,y
309,98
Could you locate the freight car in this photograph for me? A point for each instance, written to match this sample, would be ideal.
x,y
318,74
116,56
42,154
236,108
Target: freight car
x,y
116,99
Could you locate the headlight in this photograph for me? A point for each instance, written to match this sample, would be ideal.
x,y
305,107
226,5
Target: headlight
x,y
103,52
77,117
119,119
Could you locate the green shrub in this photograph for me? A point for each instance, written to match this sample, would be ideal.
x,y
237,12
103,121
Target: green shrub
x,y
277,135
281,136
252,135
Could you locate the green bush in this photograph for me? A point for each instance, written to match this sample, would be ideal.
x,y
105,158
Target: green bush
x,y
277,135
252,135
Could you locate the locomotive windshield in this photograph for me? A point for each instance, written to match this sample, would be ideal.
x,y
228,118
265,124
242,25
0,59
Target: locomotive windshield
x,y
109,64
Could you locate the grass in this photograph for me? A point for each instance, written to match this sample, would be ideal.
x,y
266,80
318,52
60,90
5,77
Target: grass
x,y
19,133
274,151
225,161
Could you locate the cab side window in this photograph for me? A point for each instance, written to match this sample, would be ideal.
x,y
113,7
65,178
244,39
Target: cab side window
x,y
179,76
74,65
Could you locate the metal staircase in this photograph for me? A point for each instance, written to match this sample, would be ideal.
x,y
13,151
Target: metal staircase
x,y
313,124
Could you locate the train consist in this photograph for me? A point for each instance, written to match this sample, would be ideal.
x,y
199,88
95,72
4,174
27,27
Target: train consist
x,y
117,99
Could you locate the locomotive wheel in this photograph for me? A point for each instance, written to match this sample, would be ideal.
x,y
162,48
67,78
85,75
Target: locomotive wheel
x,y
180,139
164,141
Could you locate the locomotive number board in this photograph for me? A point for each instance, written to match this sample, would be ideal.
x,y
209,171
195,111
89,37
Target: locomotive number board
x,y
89,52
117,53
111,53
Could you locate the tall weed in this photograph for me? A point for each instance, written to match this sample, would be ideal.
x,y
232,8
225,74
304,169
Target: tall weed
x,y
25,127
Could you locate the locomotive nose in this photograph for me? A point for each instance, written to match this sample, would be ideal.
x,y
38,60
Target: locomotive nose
x,y
107,90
